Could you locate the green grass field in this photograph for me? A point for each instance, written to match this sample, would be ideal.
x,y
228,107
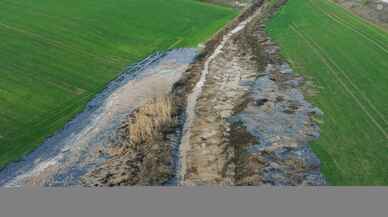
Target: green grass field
x,y
347,59
56,55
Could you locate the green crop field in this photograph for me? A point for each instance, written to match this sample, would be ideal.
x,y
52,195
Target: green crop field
x,y
347,59
56,55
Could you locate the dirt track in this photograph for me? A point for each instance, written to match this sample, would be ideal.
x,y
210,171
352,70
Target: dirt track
x,y
207,154
235,133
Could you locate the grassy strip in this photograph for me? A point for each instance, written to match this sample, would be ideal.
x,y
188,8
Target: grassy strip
x,y
56,55
345,57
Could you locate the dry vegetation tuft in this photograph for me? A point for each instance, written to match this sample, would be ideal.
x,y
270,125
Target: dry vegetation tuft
x,y
152,120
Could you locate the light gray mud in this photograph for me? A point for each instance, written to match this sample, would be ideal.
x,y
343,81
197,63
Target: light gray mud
x,y
62,159
279,118
247,122
238,4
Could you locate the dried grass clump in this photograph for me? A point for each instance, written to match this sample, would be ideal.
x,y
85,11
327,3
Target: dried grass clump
x,y
152,120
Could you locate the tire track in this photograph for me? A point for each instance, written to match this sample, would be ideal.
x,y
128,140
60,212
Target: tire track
x,y
204,151
337,20
355,86
343,84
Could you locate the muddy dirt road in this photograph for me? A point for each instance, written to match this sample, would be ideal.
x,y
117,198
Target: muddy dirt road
x,y
206,153
247,122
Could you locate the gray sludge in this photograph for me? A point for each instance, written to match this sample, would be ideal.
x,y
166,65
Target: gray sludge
x,y
73,151
279,118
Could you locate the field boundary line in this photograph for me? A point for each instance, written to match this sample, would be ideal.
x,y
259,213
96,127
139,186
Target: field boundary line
x,y
364,23
359,19
382,32
179,40
355,86
348,27
374,121
52,42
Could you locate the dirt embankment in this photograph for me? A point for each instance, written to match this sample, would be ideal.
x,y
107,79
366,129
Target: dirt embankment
x,y
143,153
143,149
247,122
155,160
276,121
206,153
